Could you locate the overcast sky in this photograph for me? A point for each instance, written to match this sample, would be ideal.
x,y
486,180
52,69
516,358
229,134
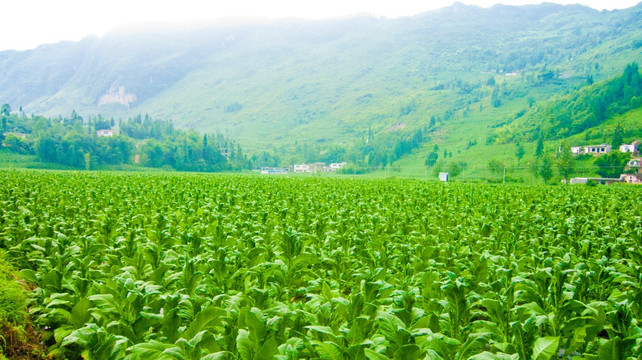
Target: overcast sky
x,y
26,24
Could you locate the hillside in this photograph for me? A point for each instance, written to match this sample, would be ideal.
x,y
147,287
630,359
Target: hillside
x,y
498,135
302,89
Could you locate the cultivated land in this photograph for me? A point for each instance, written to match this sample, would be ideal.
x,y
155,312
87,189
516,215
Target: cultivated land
x,y
192,266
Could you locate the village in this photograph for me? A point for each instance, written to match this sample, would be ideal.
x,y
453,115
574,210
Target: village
x,y
317,167
633,171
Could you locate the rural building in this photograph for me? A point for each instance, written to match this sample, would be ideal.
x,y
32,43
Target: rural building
x,y
317,167
443,176
634,163
105,132
274,171
337,166
631,178
630,148
301,168
578,180
597,149
603,181
594,150
16,134
225,152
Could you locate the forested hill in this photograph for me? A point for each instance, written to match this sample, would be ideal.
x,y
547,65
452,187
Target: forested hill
x,y
313,88
580,111
139,142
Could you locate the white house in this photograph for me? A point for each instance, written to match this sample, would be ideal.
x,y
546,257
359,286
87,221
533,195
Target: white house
x,y
274,171
577,150
301,168
634,163
105,132
337,166
631,179
597,149
630,148
579,180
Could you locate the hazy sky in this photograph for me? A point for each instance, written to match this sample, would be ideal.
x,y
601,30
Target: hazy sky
x,y
26,24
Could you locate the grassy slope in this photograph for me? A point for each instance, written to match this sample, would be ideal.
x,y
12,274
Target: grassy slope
x,y
477,157
318,96
328,82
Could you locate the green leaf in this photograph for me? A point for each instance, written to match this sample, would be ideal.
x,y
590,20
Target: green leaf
x,y
388,325
29,275
490,356
321,329
610,350
149,349
206,319
328,350
373,355
268,349
409,351
545,348
474,343
326,291
245,346
80,312
217,356
61,332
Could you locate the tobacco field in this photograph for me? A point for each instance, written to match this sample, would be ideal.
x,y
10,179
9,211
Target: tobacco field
x,y
193,266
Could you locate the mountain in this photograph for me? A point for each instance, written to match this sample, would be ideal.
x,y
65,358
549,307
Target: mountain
x,y
303,88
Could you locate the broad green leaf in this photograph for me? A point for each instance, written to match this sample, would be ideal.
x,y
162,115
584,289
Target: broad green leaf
x,y
245,346
610,350
268,349
545,348
80,314
328,350
221,355
321,329
206,319
373,355
473,344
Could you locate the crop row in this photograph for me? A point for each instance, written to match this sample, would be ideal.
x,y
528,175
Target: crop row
x,y
239,267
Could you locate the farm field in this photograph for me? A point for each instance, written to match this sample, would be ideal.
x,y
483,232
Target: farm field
x,y
194,266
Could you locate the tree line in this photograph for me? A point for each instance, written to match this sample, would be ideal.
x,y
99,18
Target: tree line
x,y
593,104
140,140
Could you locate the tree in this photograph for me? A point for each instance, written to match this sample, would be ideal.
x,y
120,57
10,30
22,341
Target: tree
x,y
612,164
496,166
618,136
5,110
16,144
565,162
494,98
432,159
519,152
47,149
539,149
545,169
439,167
455,168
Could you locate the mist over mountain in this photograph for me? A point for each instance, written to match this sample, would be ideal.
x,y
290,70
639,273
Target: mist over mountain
x,y
329,83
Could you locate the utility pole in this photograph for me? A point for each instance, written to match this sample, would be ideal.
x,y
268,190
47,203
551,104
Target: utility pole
x,y
504,179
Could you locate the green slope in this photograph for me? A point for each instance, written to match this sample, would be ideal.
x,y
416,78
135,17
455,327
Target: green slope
x,y
562,119
295,86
